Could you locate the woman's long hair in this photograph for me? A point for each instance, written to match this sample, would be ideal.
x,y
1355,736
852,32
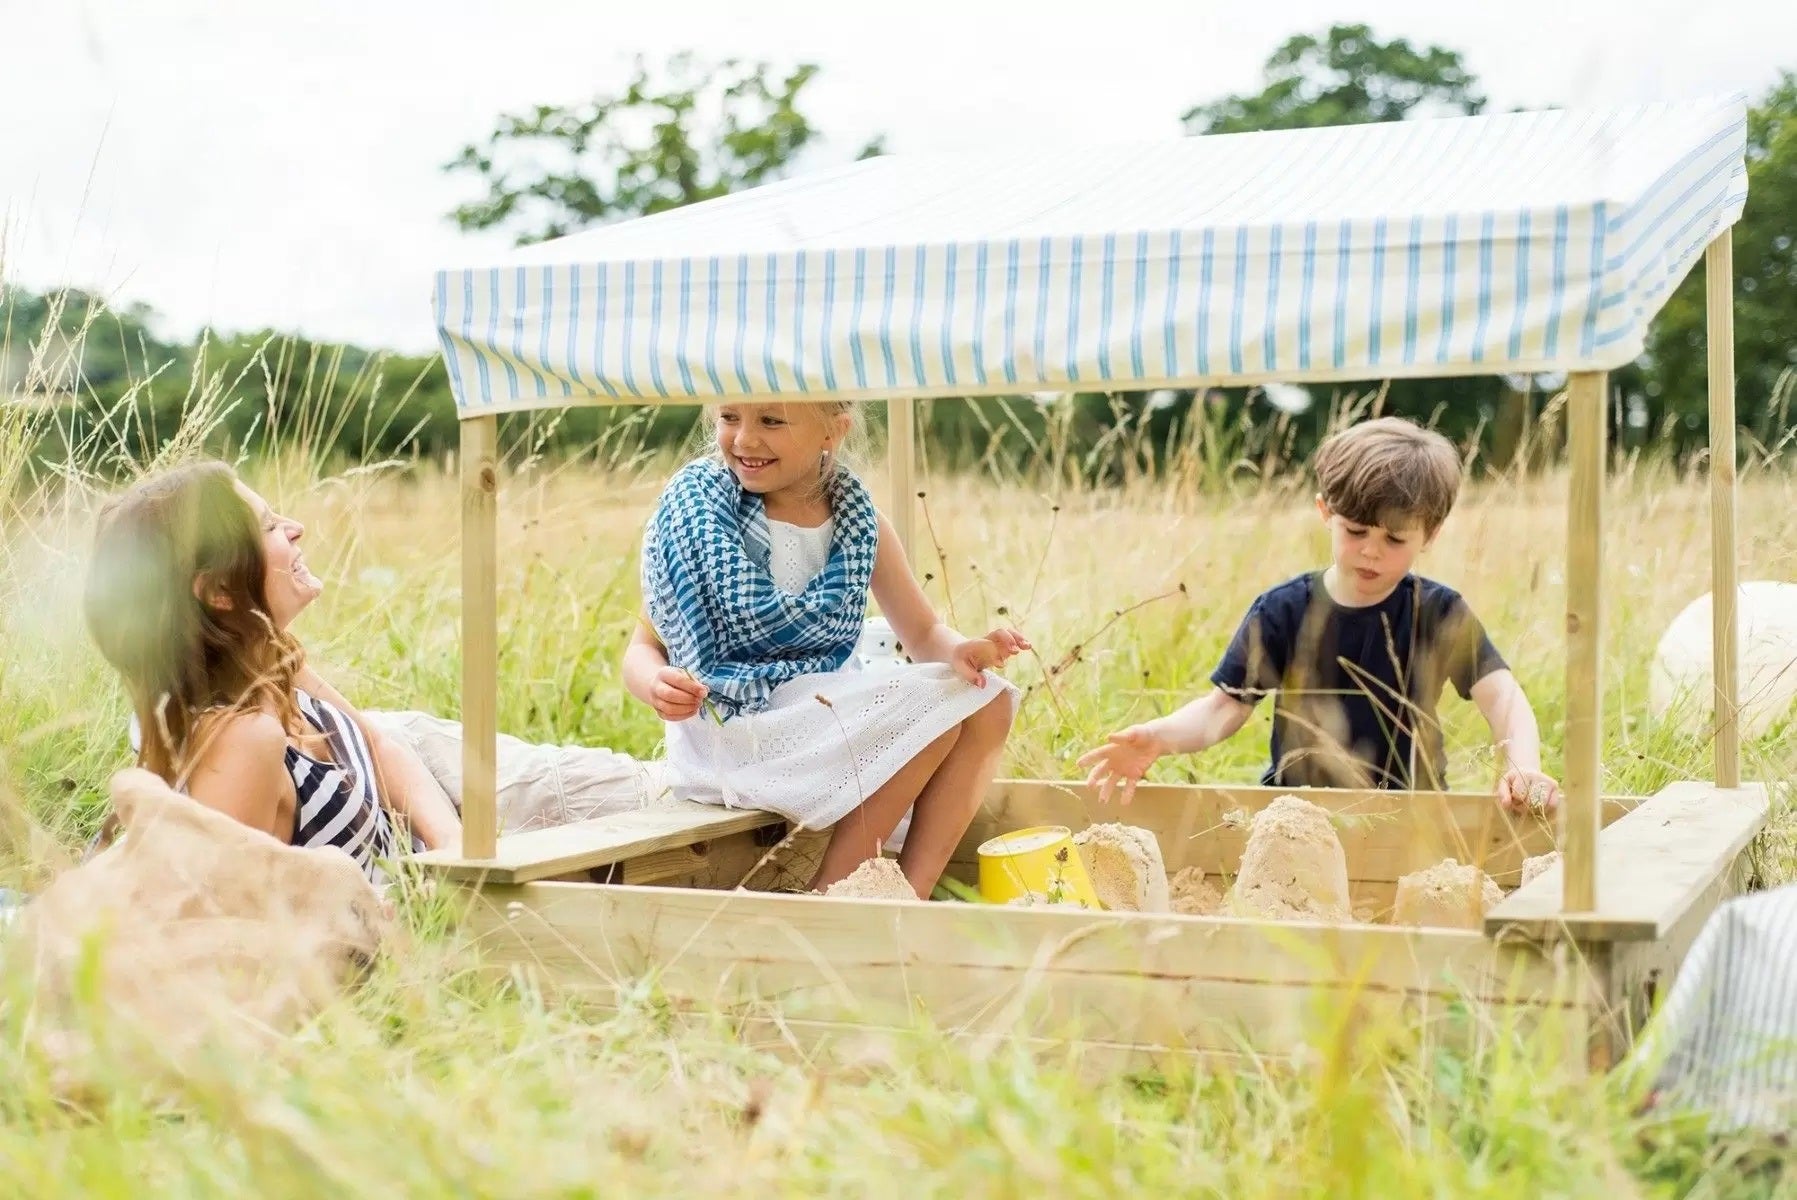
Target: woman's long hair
x,y
159,547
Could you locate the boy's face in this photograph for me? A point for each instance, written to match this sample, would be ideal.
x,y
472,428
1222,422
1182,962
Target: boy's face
x,y
1371,560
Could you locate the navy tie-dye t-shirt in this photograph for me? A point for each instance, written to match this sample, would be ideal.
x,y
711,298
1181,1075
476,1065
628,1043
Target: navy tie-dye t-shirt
x,y
1354,685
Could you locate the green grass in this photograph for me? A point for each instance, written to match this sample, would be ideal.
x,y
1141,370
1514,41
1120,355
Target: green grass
x,y
432,1081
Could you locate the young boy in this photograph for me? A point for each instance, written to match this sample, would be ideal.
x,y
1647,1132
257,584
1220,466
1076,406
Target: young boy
x,y
1359,652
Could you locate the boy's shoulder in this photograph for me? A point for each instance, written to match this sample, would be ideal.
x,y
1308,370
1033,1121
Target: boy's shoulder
x,y
1292,594
1438,596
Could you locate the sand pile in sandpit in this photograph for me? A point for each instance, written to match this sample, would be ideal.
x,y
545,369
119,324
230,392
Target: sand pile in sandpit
x,y
1537,866
1293,866
1447,894
1192,894
1124,863
875,879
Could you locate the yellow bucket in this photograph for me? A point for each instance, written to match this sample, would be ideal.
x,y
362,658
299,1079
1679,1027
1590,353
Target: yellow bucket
x,y
1040,861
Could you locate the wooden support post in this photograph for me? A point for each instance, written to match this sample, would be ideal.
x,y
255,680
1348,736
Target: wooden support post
x,y
1587,426
480,636
901,468
1725,646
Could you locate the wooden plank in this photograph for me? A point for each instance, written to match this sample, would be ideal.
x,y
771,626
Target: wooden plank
x,y
1654,865
1129,979
583,845
1385,835
1641,972
901,466
480,636
1719,278
1586,417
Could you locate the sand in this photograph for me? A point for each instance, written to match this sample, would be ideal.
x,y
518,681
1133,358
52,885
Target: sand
x,y
194,936
1293,867
1194,895
1533,867
875,879
1447,894
1124,862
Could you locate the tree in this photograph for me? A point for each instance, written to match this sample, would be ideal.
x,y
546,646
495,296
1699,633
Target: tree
x,y
1347,78
1674,389
704,132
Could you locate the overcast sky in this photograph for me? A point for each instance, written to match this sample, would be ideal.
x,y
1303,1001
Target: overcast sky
x,y
277,164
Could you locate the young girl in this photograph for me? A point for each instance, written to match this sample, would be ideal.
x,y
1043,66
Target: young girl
x,y
757,566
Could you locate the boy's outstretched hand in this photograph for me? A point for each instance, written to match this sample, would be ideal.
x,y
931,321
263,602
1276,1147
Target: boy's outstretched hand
x,y
1526,791
977,655
1124,758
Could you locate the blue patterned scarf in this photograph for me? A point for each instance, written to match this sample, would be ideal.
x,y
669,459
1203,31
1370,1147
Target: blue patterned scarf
x,y
713,601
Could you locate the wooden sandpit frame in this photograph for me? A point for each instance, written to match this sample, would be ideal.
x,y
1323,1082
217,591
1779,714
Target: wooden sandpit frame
x,y
593,908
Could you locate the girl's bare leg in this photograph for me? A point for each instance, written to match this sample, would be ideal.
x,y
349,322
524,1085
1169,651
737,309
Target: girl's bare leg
x,y
859,835
953,794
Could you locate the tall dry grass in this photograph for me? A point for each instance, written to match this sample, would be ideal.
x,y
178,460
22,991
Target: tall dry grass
x,y
435,1081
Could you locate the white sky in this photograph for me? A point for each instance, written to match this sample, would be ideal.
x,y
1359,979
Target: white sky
x,y
275,163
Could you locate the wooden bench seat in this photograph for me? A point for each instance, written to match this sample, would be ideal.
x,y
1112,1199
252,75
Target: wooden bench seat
x,y
620,838
1671,857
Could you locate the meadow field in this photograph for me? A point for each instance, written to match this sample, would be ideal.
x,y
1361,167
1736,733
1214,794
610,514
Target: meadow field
x,y
430,1080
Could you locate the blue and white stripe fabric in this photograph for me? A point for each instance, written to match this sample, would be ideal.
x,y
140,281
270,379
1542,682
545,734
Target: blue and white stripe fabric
x,y
1727,1038
1521,241
713,601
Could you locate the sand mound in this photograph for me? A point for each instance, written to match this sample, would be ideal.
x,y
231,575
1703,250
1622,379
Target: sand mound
x,y
875,879
1126,868
194,933
1447,894
1293,866
1537,866
1194,895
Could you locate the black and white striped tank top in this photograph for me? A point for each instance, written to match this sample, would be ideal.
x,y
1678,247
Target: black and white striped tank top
x,y
337,801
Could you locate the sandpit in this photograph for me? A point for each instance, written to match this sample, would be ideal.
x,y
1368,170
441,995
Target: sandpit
x,y
1125,865
1194,895
1538,866
1293,867
1448,894
875,879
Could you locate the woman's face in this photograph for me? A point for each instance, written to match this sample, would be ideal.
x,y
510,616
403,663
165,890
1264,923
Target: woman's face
x,y
287,582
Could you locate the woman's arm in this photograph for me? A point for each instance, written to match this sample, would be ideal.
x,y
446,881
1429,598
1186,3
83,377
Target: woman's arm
x,y
241,771
407,786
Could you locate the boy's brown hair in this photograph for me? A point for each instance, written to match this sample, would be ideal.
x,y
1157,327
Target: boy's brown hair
x,y
1389,472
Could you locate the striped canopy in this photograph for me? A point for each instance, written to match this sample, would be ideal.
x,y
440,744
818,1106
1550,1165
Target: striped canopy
x,y
1518,242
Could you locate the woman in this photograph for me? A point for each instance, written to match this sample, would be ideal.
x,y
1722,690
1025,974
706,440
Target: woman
x,y
194,583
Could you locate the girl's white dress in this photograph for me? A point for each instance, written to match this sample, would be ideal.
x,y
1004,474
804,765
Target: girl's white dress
x,y
826,741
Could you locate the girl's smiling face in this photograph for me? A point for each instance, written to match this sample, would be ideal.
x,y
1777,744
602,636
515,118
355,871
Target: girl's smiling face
x,y
777,450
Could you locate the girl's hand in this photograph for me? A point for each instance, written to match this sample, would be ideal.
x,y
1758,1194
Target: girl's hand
x,y
1124,758
1528,791
676,695
977,655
